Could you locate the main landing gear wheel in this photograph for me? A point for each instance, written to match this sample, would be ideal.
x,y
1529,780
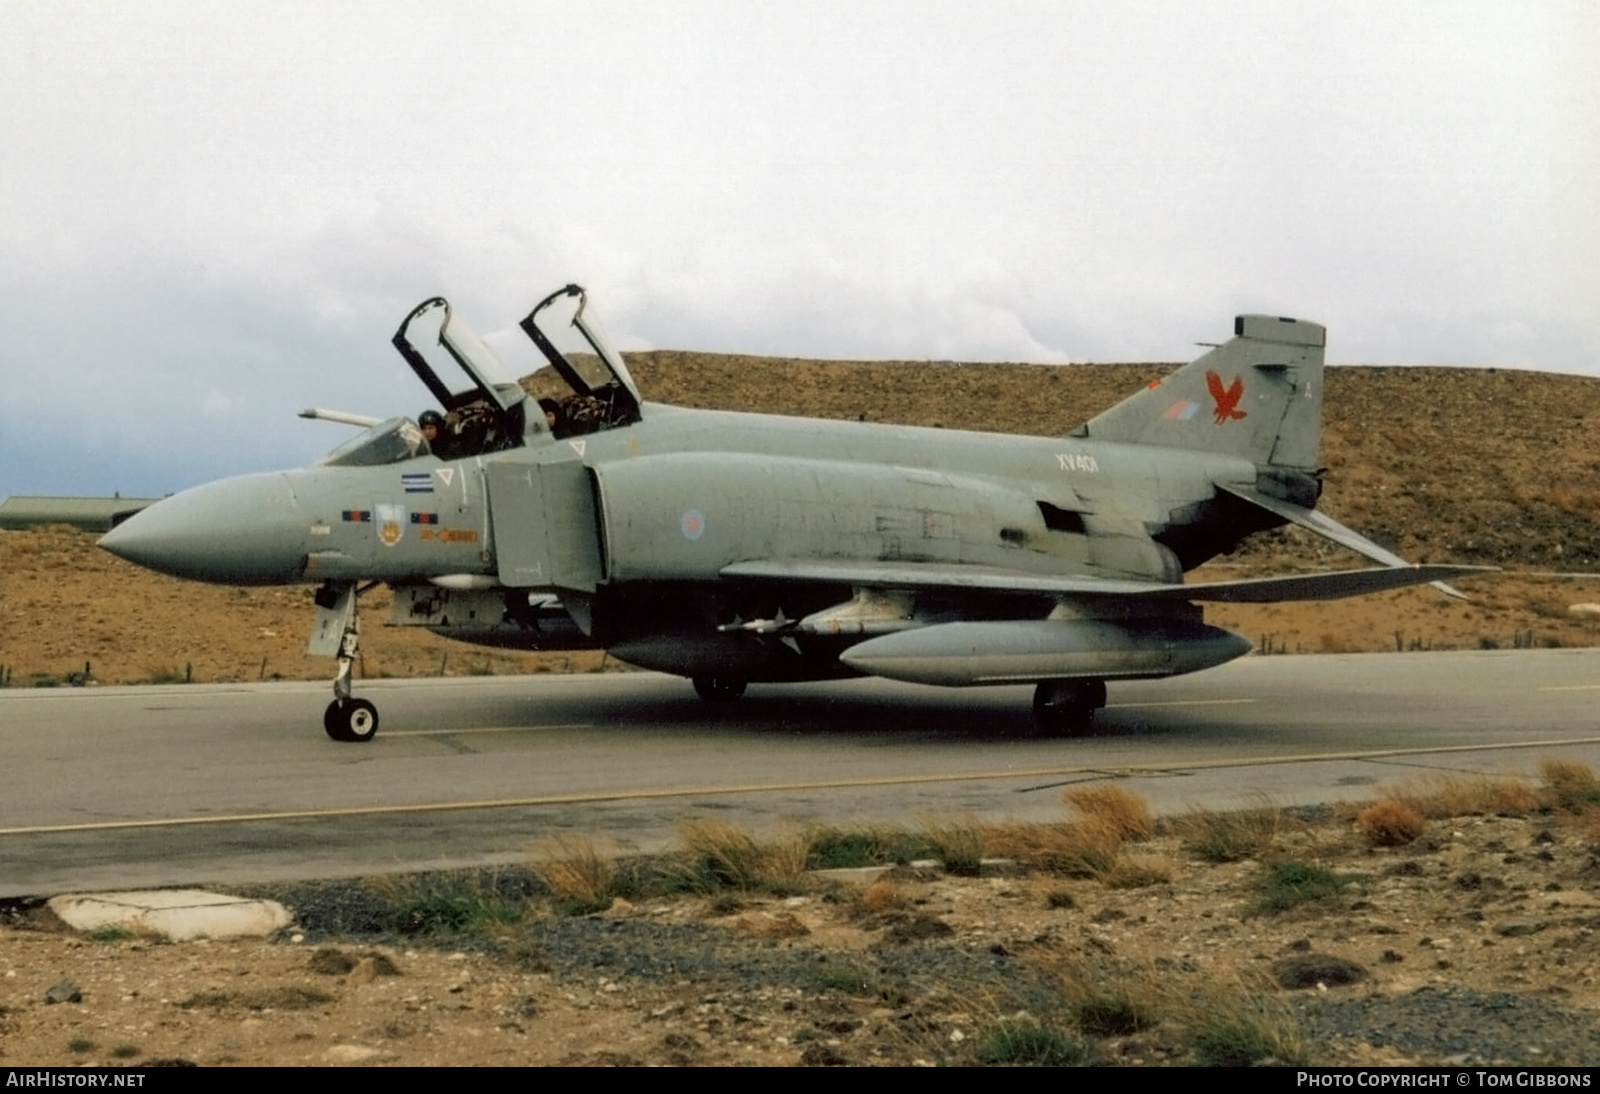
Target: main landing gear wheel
x,y
719,689
350,720
1065,708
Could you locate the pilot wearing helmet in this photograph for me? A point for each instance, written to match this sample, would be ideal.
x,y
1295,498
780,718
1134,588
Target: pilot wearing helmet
x,y
436,431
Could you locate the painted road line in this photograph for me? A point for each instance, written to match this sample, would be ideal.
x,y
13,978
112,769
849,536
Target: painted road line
x,y
484,729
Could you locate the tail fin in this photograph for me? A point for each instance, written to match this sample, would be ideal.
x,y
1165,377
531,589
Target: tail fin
x,y
1258,396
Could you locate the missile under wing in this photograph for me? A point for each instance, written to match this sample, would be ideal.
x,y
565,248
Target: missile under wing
x,y
566,512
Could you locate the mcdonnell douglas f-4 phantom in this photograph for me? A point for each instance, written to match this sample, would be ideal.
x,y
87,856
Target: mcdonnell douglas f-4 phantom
x,y
737,548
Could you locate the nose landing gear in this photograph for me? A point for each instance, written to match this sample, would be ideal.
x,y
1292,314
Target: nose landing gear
x,y
338,631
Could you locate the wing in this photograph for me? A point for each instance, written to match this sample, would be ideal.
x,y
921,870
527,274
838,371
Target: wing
x,y
1261,590
1098,640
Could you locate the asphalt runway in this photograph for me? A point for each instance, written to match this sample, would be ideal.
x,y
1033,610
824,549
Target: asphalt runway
x,y
154,786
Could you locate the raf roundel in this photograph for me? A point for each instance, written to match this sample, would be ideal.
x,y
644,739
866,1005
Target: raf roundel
x,y
692,524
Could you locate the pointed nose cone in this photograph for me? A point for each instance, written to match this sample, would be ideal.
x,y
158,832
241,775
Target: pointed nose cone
x,y
242,531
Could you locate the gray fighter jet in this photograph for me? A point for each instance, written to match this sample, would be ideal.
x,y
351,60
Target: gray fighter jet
x,y
736,548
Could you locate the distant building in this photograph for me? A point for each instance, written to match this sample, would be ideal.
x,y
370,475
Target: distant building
x,y
89,514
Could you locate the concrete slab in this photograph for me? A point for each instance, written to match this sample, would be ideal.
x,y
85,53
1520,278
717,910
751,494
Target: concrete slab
x,y
178,914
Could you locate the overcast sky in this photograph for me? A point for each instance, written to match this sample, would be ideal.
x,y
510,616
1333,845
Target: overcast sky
x,y
213,215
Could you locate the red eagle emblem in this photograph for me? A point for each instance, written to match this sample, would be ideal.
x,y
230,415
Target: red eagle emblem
x,y
1226,398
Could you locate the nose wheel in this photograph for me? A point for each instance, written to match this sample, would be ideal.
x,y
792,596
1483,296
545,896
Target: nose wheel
x,y
350,720
338,631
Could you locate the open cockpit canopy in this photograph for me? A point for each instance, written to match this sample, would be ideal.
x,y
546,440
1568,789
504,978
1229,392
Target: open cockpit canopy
x,y
586,389
598,391
488,413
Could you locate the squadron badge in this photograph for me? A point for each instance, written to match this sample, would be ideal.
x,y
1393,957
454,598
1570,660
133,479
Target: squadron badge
x,y
391,523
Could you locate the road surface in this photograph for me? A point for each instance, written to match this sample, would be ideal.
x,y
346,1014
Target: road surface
x,y
151,786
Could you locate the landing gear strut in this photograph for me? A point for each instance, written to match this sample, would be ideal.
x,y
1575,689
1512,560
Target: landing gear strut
x,y
719,689
346,719
1065,708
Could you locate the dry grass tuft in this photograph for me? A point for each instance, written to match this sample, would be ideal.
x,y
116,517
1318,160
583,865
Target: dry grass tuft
x,y
576,871
1082,849
1025,1042
960,843
1223,1018
786,858
1566,773
863,845
725,852
1090,845
1138,871
1128,815
1570,785
725,856
1438,796
882,896
1111,1000
1390,823
1243,1029
1231,837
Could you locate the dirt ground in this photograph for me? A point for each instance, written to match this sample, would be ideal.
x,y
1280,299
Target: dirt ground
x,y
1475,944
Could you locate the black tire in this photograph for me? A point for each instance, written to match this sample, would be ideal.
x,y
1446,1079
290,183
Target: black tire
x,y
354,720
1065,708
333,722
719,689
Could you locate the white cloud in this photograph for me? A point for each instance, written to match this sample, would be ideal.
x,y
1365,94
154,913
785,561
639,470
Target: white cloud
x,y
248,201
